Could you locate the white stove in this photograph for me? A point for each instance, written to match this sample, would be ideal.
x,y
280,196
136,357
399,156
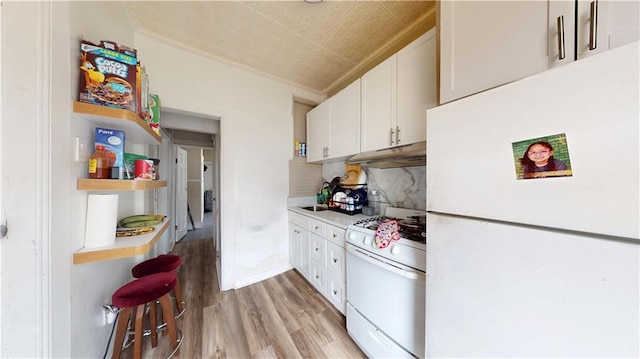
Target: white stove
x,y
386,287
408,250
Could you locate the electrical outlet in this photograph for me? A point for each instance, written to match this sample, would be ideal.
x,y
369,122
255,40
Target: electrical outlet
x,y
109,314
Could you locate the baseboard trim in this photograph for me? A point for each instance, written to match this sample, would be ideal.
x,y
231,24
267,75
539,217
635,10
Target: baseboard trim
x,y
260,277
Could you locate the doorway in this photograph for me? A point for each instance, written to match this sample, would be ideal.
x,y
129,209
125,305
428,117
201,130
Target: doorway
x,y
196,172
186,129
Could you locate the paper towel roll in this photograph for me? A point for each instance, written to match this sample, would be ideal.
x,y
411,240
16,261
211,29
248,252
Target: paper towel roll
x,y
102,220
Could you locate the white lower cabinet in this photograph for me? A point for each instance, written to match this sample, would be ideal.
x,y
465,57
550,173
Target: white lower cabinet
x,y
336,292
335,260
317,251
318,277
299,243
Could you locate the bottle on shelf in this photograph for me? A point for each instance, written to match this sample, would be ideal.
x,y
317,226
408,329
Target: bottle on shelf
x,y
99,164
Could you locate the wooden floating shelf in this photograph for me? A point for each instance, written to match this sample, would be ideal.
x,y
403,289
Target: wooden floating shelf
x,y
122,248
135,129
89,184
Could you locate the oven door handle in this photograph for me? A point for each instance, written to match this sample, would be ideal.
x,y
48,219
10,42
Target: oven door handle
x,y
404,272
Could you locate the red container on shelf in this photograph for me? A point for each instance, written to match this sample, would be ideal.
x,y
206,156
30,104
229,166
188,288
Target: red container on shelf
x,y
144,170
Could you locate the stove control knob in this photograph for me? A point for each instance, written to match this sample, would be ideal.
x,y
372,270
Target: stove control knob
x,y
395,250
367,240
352,236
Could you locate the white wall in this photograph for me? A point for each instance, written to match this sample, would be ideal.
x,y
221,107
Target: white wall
x,y
256,139
93,284
71,326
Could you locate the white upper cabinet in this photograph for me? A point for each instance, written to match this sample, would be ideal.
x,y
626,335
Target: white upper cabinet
x,y
333,127
601,25
396,94
318,132
417,88
484,44
379,116
345,122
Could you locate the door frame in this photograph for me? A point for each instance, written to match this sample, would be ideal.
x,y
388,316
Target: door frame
x,y
226,188
26,252
174,193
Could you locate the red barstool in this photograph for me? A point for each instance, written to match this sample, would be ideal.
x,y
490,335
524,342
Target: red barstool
x,y
133,298
162,264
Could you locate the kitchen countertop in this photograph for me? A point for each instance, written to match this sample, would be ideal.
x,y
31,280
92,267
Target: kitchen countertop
x,y
332,217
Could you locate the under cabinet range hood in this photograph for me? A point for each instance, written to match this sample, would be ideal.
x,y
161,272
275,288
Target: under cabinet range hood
x,y
411,155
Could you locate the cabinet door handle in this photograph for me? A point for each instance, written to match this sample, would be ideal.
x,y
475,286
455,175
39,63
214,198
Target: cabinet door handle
x,y
561,48
335,260
593,26
397,135
391,137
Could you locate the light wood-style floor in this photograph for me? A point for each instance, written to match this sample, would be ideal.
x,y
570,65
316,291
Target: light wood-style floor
x,y
281,317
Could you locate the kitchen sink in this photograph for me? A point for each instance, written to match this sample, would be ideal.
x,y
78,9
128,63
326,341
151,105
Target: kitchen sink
x,y
315,208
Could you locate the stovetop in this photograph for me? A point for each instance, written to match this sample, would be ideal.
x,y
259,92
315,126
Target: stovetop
x,y
408,250
415,231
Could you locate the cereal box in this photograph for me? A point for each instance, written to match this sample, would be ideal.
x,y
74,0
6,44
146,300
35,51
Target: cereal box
x,y
107,77
113,142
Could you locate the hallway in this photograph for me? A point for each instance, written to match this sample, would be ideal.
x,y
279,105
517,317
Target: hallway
x,y
205,232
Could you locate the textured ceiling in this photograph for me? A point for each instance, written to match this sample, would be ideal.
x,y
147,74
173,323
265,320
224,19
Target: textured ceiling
x,y
319,46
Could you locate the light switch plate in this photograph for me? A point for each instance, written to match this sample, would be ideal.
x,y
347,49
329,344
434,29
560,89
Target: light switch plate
x,y
81,149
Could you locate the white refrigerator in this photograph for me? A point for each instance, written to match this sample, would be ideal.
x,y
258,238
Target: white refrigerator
x,y
546,266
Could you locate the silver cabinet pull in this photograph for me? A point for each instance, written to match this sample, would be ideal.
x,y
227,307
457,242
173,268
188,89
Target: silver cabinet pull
x,y
3,230
397,135
561,48
593,26
391,137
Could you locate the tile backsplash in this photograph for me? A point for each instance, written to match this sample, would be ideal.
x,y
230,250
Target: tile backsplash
x,y
404,187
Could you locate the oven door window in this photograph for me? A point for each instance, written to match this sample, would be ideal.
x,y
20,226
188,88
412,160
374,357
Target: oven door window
x,y
390,296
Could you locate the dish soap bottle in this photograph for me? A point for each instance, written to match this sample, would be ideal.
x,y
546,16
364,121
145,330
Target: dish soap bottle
x,y
99,163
